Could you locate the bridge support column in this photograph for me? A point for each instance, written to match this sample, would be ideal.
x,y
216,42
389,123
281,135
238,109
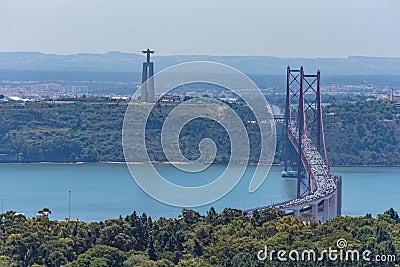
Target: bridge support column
x,y
326,210
314,211
338,180
333,206
296,212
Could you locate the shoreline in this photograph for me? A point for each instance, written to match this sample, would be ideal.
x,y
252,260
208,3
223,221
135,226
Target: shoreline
x,y
165,162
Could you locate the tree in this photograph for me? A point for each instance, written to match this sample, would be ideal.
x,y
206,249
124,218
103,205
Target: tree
x,y
7,262
393,215
101,255
190,216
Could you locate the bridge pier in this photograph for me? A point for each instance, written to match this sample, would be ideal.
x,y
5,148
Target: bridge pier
x,y
314,211
338,181
322,210
296,212
333,205
326,210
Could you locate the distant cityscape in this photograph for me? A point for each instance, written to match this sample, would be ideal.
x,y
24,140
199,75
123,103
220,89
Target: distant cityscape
x,y
42,91
27,77
36,91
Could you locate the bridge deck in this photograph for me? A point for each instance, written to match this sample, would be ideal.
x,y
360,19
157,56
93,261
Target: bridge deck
x,y
319,173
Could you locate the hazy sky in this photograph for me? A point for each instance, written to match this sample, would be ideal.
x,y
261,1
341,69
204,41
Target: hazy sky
x,y
293,28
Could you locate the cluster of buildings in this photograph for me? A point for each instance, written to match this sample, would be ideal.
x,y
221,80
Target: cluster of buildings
x,y
42,91
372,91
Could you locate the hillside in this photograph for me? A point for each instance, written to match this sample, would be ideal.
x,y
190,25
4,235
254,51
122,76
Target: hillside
x,y
89,130
364,133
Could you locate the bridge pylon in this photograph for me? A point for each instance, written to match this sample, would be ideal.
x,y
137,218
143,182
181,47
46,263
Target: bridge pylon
x,y
303,119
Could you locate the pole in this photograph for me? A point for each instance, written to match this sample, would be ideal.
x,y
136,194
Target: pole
x,y
2,205
69,205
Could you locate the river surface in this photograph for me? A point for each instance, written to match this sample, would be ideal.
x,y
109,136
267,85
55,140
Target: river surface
x,y
105,191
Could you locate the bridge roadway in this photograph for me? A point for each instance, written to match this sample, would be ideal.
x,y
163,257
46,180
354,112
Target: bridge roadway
x,y
322,200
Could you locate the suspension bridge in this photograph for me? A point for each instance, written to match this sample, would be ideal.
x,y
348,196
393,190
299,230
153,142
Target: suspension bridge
x,y
318,191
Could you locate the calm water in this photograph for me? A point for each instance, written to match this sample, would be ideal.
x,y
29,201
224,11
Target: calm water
x,y
103,191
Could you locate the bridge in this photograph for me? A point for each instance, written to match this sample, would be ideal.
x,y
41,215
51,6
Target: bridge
x,y
319,193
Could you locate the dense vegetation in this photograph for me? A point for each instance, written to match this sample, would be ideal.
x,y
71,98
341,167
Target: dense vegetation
x,y
89,129
225,239
84,130
363,133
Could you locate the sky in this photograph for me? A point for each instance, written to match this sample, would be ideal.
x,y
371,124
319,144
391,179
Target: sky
x,y
290,28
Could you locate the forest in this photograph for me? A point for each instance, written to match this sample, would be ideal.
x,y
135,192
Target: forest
x,y
226,239
363,133
89,130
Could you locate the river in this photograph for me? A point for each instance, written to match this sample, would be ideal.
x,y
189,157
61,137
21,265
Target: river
x,y
105,191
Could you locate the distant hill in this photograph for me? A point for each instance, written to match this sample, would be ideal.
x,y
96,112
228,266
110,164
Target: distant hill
x,y
131,62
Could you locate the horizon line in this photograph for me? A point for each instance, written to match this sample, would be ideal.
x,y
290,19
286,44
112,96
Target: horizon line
x,y
196,55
